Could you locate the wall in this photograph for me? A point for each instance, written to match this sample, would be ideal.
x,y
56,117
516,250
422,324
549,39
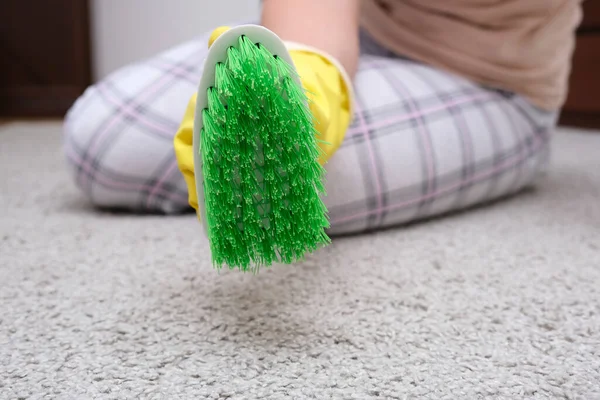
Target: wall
x,y
124,31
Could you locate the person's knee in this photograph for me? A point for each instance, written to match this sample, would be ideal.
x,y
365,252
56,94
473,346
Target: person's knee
x,y
118,161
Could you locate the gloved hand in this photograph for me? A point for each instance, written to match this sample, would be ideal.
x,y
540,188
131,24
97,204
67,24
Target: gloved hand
x,y
329,93
330,97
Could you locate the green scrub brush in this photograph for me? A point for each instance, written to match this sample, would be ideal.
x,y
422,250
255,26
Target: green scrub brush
x,y
258,180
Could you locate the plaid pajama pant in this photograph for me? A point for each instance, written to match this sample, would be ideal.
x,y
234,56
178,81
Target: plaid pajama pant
x,y
423,141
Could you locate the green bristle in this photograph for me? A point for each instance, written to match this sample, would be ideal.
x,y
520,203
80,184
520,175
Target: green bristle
x,y
262,181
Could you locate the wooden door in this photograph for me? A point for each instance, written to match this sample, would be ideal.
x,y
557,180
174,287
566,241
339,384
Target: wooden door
x,y
46,56
582,107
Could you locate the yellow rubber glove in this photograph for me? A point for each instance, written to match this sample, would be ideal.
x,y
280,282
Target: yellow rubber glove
x,y
330,95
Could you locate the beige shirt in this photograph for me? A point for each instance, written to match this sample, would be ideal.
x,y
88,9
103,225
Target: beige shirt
x,y
523,46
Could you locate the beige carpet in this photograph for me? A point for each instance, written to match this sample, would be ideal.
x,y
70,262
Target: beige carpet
x,y
501,302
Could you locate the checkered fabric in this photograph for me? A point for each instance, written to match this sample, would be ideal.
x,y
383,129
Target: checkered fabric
x,y
423,141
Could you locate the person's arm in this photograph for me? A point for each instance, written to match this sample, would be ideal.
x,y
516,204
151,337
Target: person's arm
x,y
328,25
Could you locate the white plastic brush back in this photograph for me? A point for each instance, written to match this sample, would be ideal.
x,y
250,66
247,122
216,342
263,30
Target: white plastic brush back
x,y
218,53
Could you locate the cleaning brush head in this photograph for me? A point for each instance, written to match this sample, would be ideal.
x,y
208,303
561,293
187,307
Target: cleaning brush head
x,y
258,178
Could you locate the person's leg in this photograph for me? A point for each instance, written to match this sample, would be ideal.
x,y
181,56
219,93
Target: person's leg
x,y
425,142
118,137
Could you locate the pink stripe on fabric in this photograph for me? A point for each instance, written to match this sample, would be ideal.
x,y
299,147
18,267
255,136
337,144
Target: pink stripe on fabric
x,y
167,132
499,168
375,171
74,157
156,189
180,72
421,113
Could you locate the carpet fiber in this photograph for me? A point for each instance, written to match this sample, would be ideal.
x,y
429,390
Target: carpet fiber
x,y
501,302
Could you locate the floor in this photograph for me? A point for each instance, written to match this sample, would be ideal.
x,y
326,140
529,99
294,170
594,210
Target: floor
x,y
500,302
